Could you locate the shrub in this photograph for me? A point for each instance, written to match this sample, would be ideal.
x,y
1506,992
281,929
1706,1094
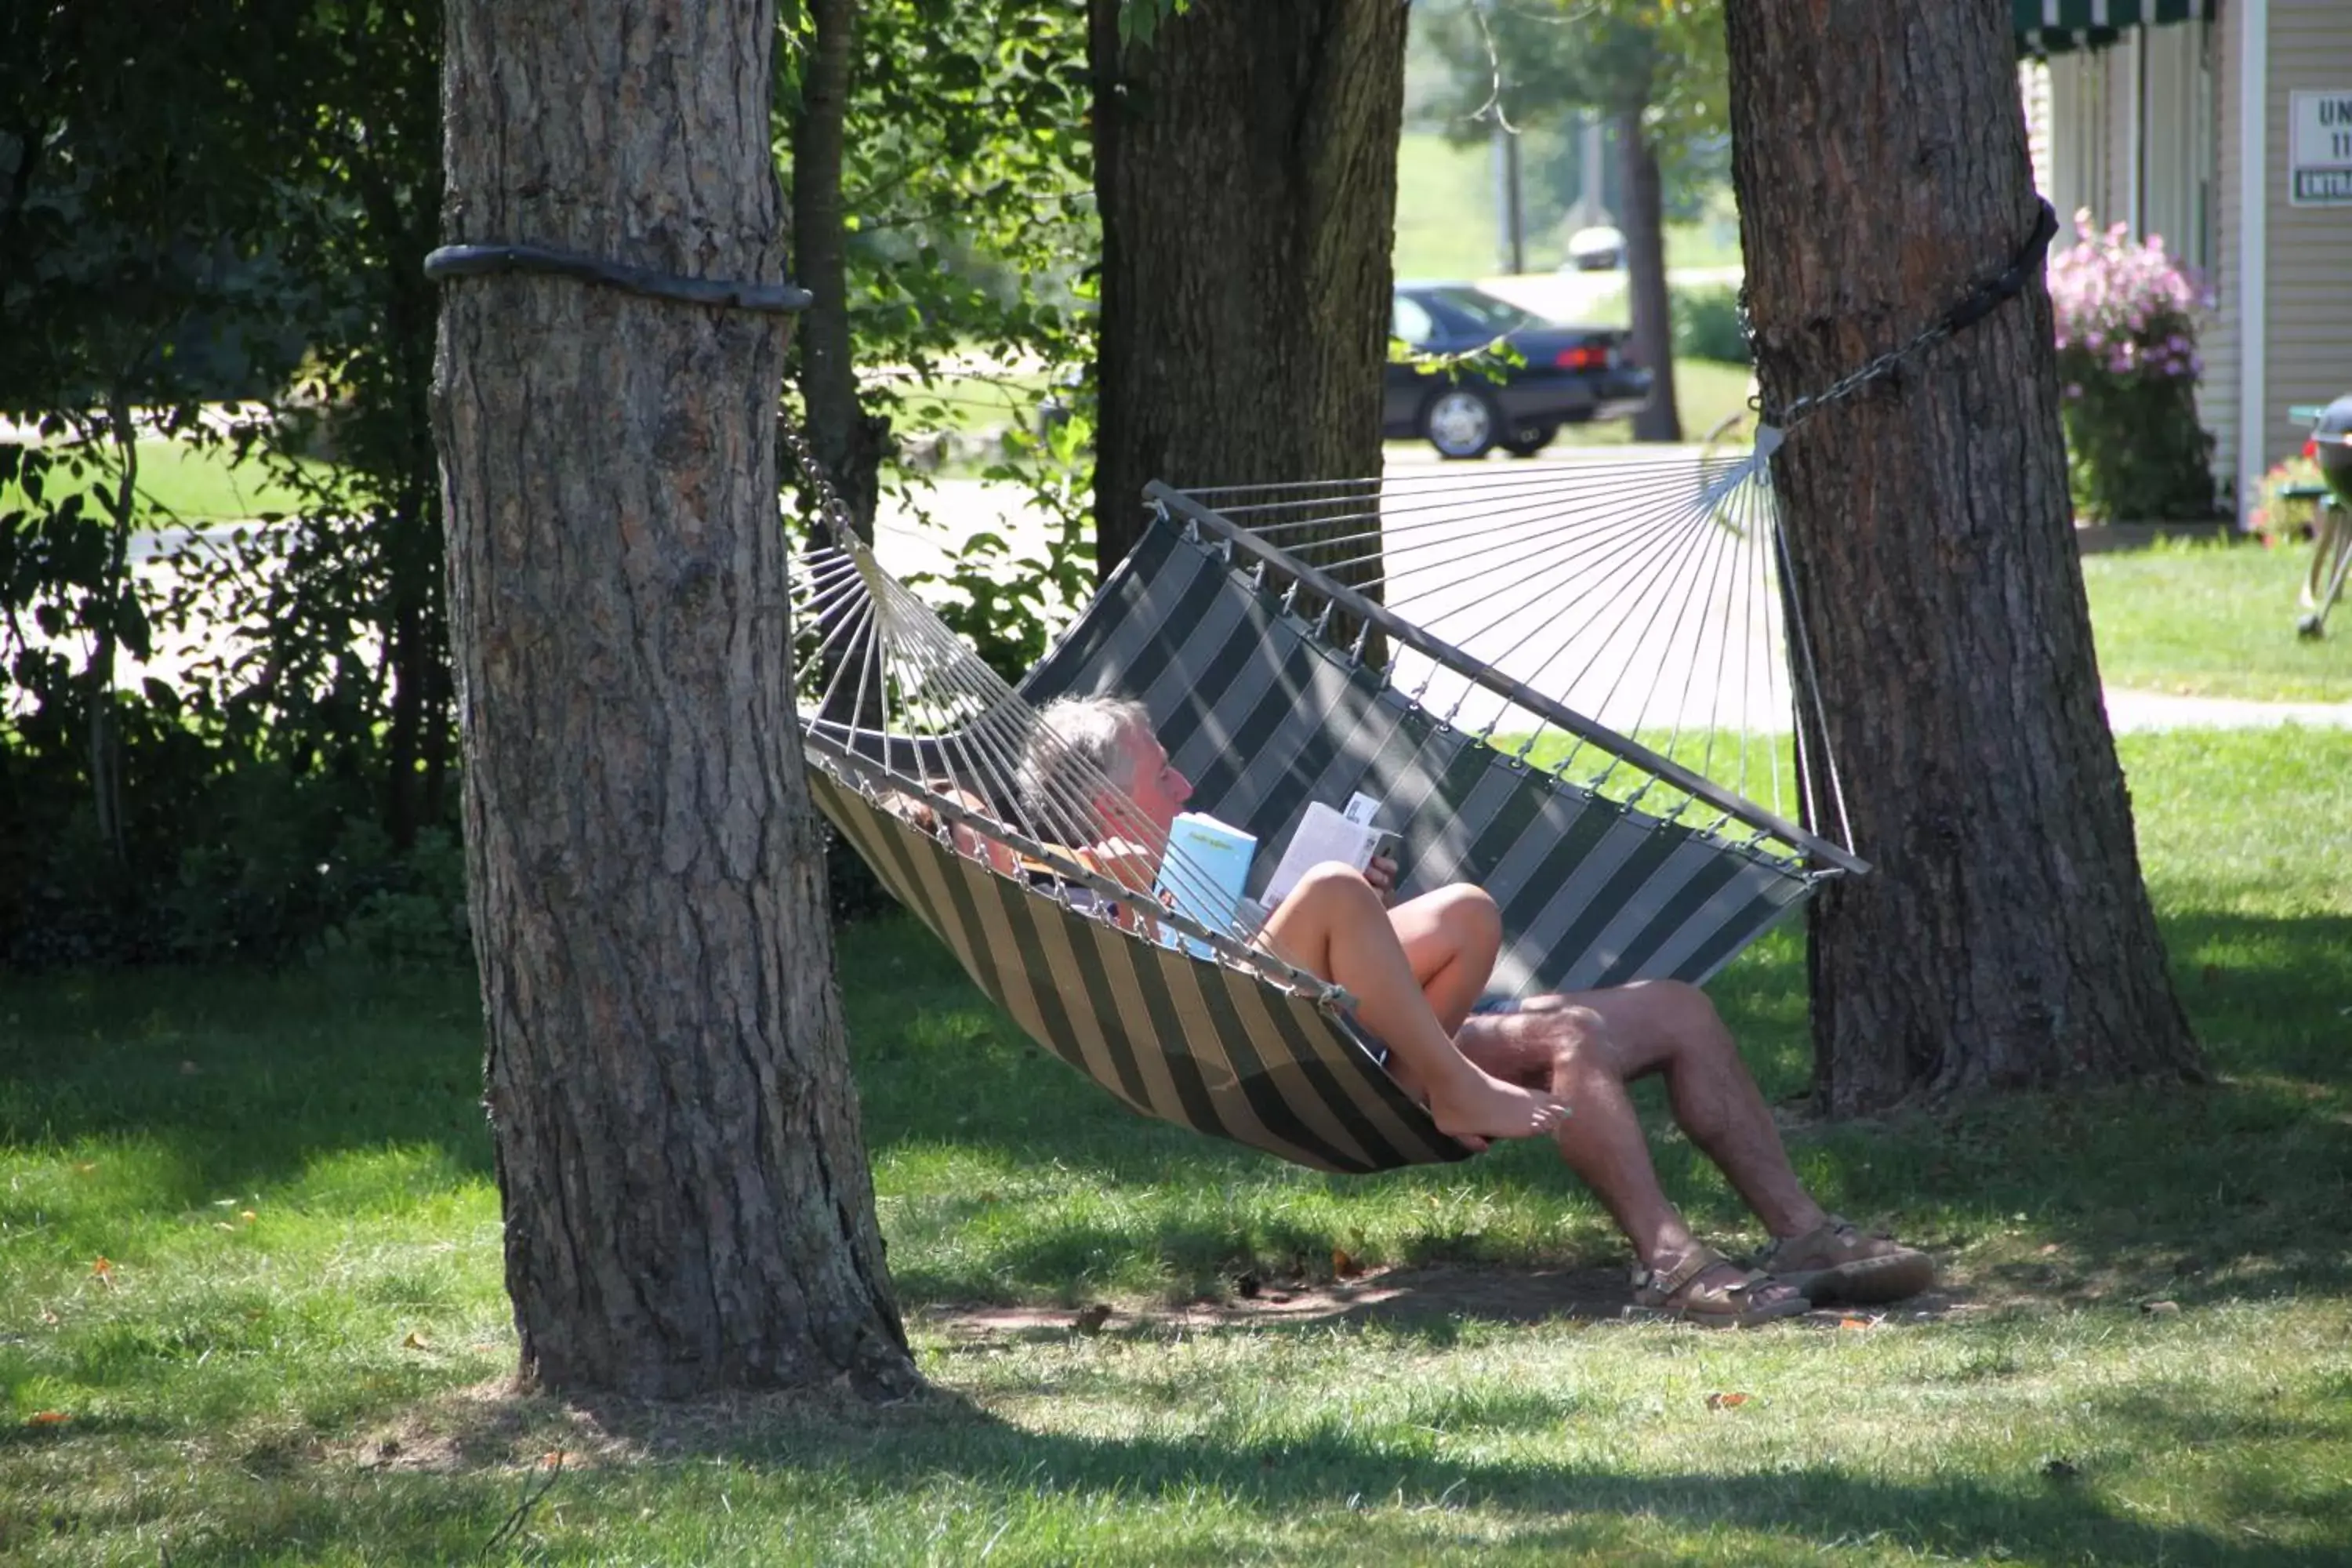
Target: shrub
x,y
2276,517
2127,360
1707,326
220,859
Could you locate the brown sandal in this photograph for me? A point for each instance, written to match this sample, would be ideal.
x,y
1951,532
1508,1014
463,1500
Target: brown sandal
x,y
1756,1297
1838,1261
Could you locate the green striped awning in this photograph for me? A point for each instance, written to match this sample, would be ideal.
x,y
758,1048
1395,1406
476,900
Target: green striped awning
x,y
2053,26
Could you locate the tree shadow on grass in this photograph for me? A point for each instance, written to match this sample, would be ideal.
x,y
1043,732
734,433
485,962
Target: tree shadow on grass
x,y
1437,1305
2193,1193
243,1079
869,1462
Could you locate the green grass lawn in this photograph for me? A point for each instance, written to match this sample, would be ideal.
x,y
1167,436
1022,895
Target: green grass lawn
x,y
183,481
2214,620
289,1352
1445,211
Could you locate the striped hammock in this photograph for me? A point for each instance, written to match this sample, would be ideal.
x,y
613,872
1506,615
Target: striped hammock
x,y
1297,644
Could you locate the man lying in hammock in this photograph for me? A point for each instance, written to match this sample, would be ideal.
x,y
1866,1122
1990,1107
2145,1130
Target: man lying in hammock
x,y
1579,1049
1095,771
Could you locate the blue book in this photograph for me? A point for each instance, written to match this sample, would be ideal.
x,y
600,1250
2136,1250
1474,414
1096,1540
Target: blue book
x,y
1202,874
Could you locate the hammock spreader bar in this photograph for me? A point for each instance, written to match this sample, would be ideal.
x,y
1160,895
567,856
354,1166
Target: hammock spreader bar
x,y
1177,503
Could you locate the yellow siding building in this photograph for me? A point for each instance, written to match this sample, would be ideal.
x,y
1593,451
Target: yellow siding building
x,y
2225,127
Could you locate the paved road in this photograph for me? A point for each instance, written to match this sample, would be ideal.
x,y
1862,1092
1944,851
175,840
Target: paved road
x,y
1583,296
2129,709
1640,646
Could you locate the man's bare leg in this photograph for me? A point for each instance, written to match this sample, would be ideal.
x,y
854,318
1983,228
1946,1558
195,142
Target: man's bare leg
x,y
1666,1026
1589,1045
1569,1048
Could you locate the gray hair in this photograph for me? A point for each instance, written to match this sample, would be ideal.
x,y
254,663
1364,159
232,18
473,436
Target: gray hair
x,y
1077,743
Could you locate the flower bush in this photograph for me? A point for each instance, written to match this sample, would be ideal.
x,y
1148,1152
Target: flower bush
x,y
2127,324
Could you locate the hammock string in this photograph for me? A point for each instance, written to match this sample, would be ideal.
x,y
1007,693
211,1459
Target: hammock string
x,y
1642,590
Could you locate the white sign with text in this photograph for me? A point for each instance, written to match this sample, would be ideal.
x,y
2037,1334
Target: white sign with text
x,y
2319,149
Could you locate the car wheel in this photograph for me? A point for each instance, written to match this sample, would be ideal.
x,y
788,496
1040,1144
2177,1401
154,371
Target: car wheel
x,y
1528,440
1462,422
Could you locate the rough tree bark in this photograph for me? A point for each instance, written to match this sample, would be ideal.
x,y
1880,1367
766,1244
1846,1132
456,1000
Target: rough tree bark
x,y
687,1203
1246,169
2005,939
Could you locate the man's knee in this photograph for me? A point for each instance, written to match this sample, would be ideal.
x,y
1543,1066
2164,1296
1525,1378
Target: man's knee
x,y
1567,1037
1680,1013
1649,1026
1535,1049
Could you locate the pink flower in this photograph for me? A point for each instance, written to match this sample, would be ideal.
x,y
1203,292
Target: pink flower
x,y
2125,304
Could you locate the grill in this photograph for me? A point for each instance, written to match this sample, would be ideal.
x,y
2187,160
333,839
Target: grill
x,y
2331,436
2331,556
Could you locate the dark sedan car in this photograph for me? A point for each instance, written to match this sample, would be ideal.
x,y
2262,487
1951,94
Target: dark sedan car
x,y
1571,375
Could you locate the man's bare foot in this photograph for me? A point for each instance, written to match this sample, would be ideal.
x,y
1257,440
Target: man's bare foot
x,y
1477,1106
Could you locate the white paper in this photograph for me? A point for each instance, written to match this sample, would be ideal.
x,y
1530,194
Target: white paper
x,y
1326,834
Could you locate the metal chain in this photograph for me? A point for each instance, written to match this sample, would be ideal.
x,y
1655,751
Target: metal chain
x,y
1974,306
830,508
1886,365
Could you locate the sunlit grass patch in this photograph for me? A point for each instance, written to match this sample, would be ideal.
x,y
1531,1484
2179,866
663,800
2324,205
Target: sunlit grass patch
x,y
178,481
2213,620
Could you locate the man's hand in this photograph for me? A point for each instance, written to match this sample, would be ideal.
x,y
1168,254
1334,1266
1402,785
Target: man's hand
x,y
1382,873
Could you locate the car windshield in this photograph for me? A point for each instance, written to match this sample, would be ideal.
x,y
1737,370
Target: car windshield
x,y
1486,312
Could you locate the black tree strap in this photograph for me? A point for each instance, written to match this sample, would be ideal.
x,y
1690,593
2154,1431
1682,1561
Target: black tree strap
x,y
487,260
1973,307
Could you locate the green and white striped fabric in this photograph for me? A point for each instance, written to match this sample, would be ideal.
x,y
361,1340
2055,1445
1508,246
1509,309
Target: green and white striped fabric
x,y
1264,717
1215,1046
2053,26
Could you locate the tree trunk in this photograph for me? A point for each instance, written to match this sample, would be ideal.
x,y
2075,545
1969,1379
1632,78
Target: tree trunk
x,y
846,440
1646,278
1246,169
2005,939
115,601
414,544
687,1203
